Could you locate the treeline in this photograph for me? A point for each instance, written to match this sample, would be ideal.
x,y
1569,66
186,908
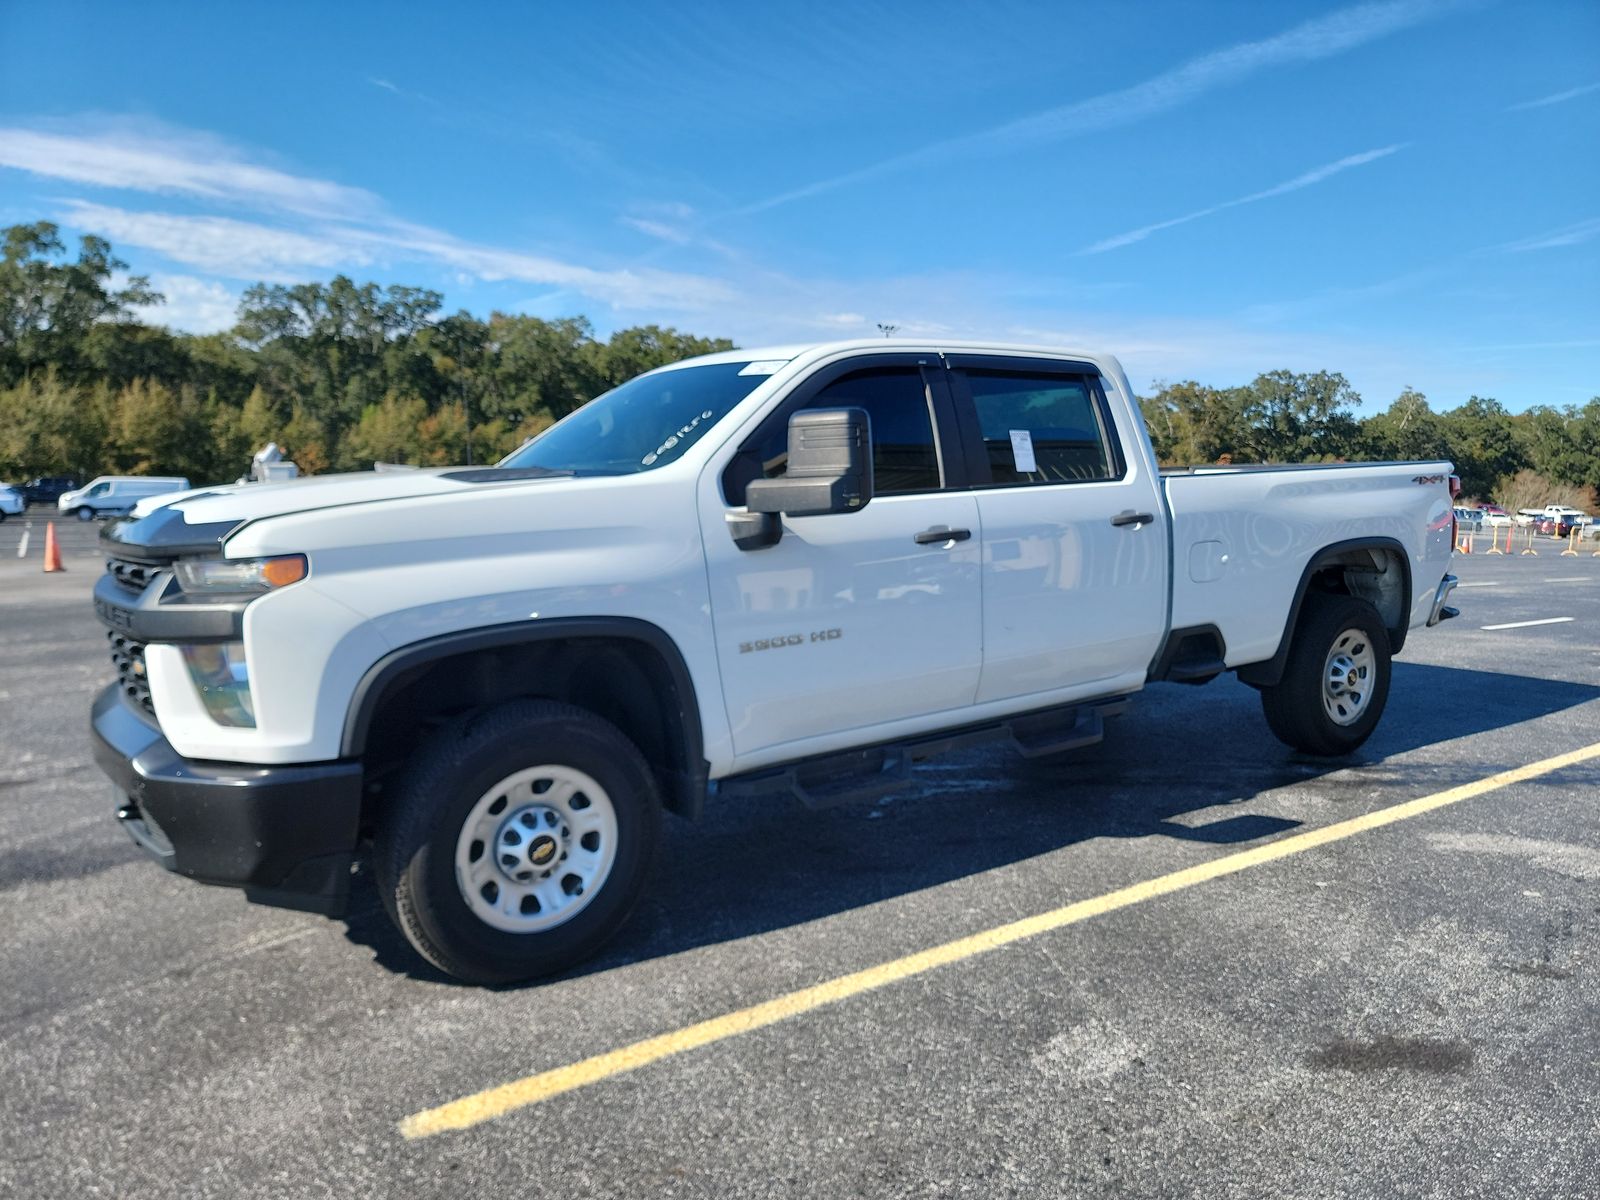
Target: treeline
x,y
339,374
342,375
1544,455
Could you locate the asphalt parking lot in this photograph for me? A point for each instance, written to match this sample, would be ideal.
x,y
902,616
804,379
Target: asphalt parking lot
x,y
1406,1009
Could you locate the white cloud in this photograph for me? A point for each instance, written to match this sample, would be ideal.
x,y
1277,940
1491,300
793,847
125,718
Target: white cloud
x,y
1570,235
1319,38
316,225
248,251
194,305
221,245
1557,98
184,164
1307,179
659,230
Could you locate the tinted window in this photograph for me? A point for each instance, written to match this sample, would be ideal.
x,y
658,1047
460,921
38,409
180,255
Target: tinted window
x,y
647,422
1040,428
904,458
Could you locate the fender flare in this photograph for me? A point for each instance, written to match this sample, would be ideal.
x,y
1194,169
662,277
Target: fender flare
x,y
383,674
1270,671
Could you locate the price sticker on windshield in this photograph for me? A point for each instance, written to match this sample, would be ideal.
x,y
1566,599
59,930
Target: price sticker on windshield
x,y
1022,451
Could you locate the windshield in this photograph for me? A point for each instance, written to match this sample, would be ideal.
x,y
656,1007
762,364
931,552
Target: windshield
x,y
646,423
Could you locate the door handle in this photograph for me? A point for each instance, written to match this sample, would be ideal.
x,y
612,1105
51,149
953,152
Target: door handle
x,y
932,537
1129,517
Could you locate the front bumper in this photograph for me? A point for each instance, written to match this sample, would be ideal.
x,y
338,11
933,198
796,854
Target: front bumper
x,y
285,834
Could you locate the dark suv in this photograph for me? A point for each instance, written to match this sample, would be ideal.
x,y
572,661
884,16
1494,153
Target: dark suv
x,y
45,491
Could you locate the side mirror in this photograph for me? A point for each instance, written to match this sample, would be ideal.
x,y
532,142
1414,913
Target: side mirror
x,y
829,470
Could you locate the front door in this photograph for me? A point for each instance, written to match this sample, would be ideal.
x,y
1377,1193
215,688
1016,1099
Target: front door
x,y
850,622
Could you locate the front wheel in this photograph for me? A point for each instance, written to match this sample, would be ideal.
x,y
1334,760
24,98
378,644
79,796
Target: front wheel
x,y
1336,681
518,841
84,513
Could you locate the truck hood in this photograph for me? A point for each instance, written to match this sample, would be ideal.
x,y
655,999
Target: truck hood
x,y
196,522
239,503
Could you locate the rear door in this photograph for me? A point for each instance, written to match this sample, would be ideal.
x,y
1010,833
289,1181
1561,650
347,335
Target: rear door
x,y
1074,543
852,620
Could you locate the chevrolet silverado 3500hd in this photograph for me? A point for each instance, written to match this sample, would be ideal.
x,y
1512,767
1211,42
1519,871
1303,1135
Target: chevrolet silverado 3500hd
x,y
789,570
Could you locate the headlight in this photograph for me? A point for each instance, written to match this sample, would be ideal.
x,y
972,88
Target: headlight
x,y
222,678
213,576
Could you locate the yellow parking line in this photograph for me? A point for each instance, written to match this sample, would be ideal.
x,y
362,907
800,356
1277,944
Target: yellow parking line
x,y
497,1101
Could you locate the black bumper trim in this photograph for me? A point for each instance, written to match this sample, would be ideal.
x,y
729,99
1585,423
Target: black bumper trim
x,y
285,834
161,613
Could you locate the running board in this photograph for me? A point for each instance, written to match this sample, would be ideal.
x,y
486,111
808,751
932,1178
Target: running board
x,y
859,775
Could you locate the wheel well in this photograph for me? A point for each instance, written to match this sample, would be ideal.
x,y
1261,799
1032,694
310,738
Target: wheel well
x,y
1375,572
623,680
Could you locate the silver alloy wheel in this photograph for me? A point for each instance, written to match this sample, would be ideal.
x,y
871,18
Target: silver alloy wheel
x,y
1347,677
536,849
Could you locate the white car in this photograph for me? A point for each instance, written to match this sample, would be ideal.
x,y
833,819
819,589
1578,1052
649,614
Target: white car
x,y
793,571
12,501
115,495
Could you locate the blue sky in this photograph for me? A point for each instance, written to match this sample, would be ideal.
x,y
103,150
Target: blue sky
x,y
1406,191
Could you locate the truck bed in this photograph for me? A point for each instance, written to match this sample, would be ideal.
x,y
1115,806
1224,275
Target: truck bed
x,y
1243,537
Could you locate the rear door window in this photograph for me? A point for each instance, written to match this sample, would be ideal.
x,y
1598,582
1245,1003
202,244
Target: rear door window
x,y
1039,428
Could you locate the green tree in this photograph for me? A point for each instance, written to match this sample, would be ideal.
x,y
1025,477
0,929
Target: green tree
x,y
1564,443
48,306
1302,417
1198,424
1407,431
1484,444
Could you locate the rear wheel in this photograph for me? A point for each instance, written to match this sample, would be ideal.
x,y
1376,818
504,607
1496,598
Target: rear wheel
x,y
518,841
1336,682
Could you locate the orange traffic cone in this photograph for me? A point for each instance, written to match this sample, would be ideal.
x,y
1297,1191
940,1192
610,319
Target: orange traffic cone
x,y
52,549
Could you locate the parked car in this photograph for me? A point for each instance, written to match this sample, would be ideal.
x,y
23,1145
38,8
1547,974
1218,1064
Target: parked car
x,y
46,489
1560,524
1470,520
1566,510
766,573
12,501
115,495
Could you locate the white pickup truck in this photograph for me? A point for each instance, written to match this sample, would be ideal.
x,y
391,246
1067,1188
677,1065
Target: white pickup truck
x,y
791,570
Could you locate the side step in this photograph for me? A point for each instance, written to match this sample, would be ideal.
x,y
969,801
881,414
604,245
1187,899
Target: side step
x,y
859,775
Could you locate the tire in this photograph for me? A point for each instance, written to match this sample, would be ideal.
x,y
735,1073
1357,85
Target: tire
x,y
1315,710
84,512
459,851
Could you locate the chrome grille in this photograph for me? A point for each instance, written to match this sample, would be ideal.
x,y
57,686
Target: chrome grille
x,y
127,656
131,576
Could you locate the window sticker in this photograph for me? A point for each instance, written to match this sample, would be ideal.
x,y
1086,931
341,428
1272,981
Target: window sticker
x,y
767,366
1022,451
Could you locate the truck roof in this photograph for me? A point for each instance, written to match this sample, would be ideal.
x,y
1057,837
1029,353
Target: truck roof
x,y
784,353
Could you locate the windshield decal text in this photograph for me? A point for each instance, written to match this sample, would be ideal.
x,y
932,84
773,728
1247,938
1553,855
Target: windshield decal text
x,y
672,441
